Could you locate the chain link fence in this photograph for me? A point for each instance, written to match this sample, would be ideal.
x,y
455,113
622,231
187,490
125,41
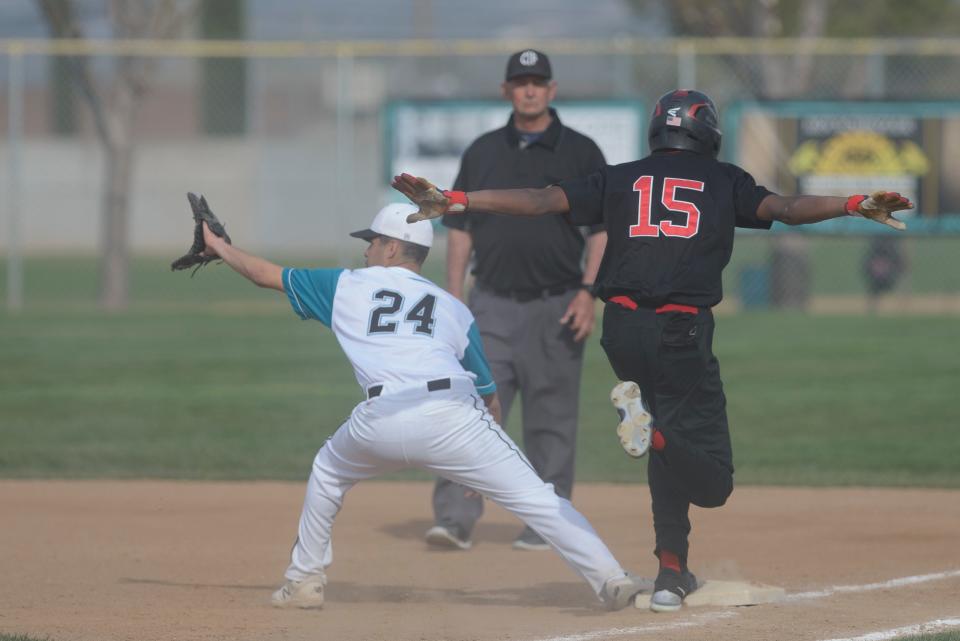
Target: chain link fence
x,y
290,142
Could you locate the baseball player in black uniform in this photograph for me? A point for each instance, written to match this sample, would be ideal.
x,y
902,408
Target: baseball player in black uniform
x,y
670,220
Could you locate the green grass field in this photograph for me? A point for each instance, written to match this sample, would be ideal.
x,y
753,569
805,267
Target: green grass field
x,y
211,378
836,263
835,269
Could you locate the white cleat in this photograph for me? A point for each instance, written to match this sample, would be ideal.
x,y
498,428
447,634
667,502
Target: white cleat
x,y
671,588
665,601
636,423
304,594
620,592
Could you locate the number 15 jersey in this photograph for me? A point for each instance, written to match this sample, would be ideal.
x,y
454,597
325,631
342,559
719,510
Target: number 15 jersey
x,y
670,219
395,326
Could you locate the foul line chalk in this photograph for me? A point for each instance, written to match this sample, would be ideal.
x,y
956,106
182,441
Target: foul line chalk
x,y
892,583
911,630
695,621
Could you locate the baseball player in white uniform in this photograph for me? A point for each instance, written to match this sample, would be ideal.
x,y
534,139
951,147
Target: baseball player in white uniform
x,y
429,402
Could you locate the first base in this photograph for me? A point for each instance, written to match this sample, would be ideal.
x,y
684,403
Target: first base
x,y
726,593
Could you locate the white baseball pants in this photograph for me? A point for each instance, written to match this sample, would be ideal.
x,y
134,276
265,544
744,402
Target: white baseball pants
x,y
450,433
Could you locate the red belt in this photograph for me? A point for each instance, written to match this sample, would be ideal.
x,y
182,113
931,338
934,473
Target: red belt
x,y
629,303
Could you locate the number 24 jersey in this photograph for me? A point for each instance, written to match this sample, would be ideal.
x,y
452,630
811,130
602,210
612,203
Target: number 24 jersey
x,y
394,325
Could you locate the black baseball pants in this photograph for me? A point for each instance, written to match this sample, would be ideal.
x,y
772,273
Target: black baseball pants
x,y
670,356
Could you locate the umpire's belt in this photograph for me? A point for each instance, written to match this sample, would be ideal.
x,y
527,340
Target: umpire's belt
x,y
432,386
526,295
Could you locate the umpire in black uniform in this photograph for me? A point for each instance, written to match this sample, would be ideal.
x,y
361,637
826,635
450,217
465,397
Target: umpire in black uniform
x,y
670,219
531,298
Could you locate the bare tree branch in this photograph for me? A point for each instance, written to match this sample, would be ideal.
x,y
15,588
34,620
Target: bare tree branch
x,y
114,115
59,16
813,24
171,18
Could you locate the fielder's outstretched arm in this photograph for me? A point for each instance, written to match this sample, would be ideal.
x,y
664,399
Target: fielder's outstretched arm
x,y
259,271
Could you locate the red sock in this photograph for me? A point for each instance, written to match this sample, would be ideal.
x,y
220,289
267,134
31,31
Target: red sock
x,y
669,560
657,441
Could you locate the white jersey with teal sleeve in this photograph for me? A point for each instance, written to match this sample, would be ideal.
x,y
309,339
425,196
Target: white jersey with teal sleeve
x,y
395,326
402,333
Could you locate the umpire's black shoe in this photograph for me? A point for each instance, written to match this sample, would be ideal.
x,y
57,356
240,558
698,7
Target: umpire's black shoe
x,y
447,538
671,588
530,540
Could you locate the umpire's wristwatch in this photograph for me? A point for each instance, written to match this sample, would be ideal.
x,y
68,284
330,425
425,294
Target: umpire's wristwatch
x,y
590,288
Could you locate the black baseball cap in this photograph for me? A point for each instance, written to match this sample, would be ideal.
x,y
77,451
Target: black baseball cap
x,y
529,62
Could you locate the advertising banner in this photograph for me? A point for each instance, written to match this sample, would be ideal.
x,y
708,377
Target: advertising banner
x,y
428,138
843,148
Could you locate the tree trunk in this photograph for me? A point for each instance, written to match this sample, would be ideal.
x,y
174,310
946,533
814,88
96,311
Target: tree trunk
x,y
114,118
114,229
118,179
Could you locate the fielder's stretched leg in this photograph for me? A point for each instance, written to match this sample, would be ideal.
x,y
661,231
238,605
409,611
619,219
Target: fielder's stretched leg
x,y
342,461
480,455
450,433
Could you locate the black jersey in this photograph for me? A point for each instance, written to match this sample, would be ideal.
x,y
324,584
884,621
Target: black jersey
x,y
670,219
525,254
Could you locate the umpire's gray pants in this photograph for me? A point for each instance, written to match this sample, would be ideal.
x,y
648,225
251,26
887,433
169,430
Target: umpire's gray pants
x,y
532,353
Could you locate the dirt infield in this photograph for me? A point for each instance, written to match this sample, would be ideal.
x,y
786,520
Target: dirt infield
x,y
149,561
